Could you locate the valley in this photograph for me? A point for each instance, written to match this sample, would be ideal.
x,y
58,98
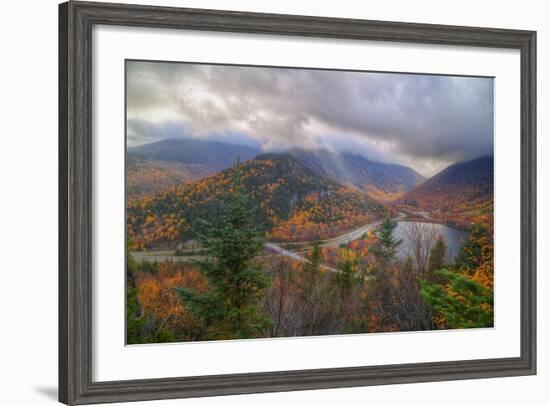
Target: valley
x,y
299,197
319,222
453,196
265,201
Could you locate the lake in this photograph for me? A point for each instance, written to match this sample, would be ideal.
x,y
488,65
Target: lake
x,y
453,237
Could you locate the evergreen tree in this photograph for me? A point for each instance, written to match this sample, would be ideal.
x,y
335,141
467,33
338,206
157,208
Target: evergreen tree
x,y
311,268
134,318
436,260
135,322
461,303
310,291
382,296
386,247
230,308
471,252
346,277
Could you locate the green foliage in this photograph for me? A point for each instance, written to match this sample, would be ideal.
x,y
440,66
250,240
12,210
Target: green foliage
x,y
311,268
148,266
386,247
347,278
462,302
134,320
471,251
231,306
140,328
436,260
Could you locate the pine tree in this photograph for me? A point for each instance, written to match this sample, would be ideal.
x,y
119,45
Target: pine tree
x,y
311,268
461,303
310,291
230,308
436,260
471,252
385,250
387,245
346,277
134,315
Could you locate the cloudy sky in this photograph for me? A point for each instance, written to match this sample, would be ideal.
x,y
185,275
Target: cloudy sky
x,y
423,121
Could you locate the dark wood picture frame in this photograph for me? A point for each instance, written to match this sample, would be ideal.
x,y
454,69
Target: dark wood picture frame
x,y
76,20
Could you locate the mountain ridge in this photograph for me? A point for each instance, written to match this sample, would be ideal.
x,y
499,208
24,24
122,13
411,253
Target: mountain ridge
x,y
455,193
157,167
293,203
383,181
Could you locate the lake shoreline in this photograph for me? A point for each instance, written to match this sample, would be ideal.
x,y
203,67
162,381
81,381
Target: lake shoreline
x,y
452,236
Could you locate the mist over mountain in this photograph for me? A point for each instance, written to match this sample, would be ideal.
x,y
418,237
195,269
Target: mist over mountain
x,y
424,121
455,193
159,166
380,180
213,154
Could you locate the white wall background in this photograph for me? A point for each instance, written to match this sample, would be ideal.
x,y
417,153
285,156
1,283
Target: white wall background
x,y
28,202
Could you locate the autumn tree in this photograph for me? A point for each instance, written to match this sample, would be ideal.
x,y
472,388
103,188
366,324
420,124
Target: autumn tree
x,y
281,301
317,296
311,295
409,310
231,307
464,296
475,248
141,327
421,237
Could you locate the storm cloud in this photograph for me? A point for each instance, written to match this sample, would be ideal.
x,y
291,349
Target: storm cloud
x,y
424,121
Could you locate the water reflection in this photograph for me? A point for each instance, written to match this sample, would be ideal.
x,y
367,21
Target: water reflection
x,y
453,238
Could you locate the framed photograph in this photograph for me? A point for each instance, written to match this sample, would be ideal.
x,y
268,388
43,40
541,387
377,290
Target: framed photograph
x,y
257,202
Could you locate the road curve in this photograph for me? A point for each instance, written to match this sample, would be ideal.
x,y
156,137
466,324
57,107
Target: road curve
x,y
330,243
286,253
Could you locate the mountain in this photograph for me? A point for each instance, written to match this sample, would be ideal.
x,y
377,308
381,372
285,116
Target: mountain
x,y
193,151
157,167
381,181
455,193
291,203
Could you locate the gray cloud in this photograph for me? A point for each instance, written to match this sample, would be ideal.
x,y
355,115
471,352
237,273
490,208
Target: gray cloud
x,y
425,121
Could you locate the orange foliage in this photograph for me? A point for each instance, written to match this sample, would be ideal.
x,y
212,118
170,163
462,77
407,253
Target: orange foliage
x,y
158,298
484,273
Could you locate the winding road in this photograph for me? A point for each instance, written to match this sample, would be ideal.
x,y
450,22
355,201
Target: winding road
x,y
334,242
330,243
286,253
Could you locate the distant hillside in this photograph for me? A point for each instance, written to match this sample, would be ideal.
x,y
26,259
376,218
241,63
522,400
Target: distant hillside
x,y
160,166
455,193
381,181
157,167
291,202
